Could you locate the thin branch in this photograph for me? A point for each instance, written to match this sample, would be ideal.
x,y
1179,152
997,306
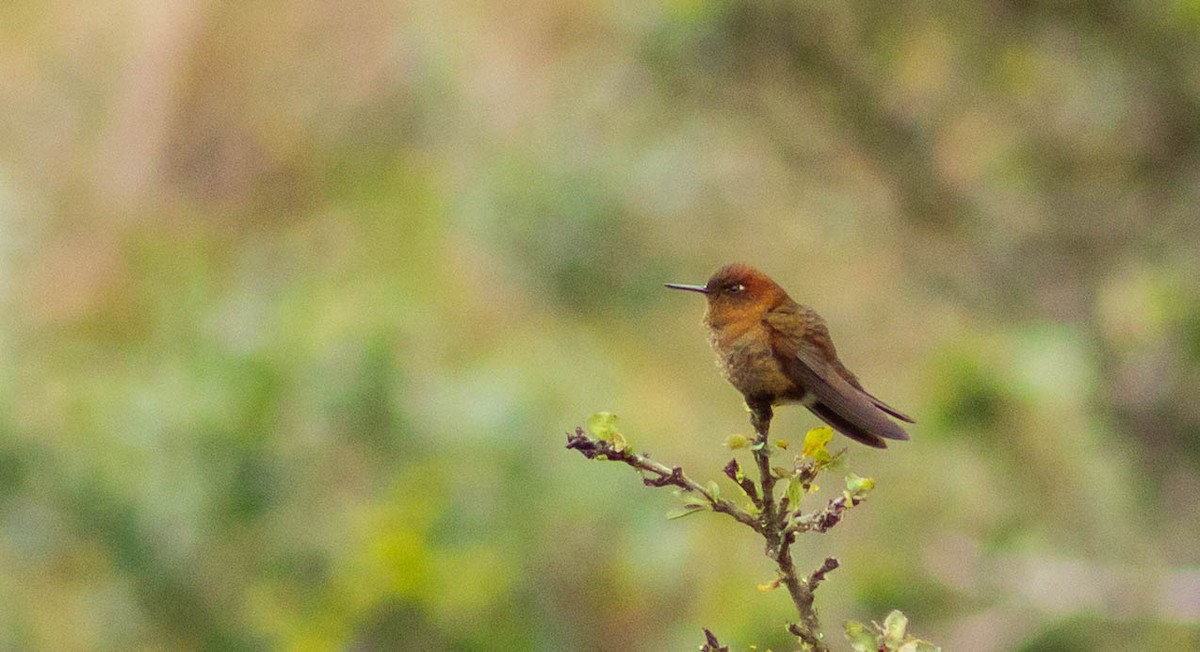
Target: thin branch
x,y
760,418
808,629
711,644
734,471
818,575
774,518
663,475
780,539
821,521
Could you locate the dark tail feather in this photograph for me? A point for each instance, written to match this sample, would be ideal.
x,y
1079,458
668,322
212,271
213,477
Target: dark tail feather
x,y
887,408
846,428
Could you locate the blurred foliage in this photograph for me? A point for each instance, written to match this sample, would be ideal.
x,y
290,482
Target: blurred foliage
x,y
891,635
300,298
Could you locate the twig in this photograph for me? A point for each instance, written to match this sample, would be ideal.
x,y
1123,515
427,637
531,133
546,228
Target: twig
x,y
774,518
734,471
663,475
780,539
821,521
711,644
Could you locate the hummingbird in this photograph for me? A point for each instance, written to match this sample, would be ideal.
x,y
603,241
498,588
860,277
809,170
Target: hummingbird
x,y
776,351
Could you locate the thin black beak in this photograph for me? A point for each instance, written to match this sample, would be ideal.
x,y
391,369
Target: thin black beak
x,y
690,288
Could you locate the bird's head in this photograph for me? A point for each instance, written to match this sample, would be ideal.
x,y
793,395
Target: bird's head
x,y
736,292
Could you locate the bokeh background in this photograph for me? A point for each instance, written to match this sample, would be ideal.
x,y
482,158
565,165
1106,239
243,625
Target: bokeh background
x,y
300,299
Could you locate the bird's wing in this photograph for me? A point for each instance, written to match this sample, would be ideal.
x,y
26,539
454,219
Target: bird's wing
x,y
841,404
853,380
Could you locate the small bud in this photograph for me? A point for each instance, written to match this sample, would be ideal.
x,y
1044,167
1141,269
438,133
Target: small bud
x,y
734,442
769,586
895,628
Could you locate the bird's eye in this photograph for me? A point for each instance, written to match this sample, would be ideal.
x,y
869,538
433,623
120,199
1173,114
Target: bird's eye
x,y
734,288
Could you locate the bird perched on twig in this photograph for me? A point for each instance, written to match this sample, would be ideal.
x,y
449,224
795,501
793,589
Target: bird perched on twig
x,y
776,351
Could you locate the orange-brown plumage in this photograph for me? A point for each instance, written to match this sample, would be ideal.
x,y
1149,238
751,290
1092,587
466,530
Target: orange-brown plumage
x,y
776,351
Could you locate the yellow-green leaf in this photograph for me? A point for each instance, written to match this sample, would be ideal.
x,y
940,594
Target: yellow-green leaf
x,y
686,510
861,639
795,493
692,498
602,425
814,443
782,443
858,486
895,627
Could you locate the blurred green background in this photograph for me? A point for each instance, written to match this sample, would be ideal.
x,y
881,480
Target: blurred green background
x,y
300,300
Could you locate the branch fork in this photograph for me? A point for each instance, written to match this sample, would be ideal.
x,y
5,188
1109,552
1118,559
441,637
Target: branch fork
x,y
777,519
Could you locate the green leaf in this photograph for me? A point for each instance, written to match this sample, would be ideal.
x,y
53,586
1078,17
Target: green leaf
x,y
714,490
795,493
692,498
895,628
602,425
837,462
861,639
858,486
686,510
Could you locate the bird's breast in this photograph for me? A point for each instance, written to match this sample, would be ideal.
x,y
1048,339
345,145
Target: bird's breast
x,y
749,364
